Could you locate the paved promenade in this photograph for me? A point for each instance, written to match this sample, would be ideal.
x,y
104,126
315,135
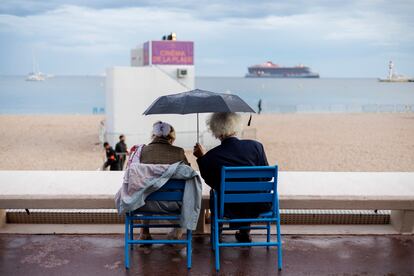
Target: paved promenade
x,y
303,255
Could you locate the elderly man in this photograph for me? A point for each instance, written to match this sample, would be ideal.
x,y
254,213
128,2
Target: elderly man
x,y
232,152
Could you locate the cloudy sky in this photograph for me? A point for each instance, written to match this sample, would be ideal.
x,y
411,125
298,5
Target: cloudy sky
x,y
335,38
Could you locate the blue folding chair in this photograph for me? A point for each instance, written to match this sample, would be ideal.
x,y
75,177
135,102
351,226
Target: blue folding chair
x,y
173,190
246,185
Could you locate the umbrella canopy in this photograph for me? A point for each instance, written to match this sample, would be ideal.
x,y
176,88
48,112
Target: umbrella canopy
x,y
197,101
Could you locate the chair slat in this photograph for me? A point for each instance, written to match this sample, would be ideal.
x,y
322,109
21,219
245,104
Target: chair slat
x,y
249,186
165,196
246,198
246,173
173,185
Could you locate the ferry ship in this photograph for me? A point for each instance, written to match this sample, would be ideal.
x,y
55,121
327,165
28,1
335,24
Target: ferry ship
x,y
272,70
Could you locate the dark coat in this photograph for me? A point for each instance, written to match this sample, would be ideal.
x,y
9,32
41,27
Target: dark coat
x,y
122,150
121,147
231,153
160,151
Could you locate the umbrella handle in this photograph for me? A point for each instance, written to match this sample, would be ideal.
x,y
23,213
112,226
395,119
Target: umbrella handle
x,y
198,135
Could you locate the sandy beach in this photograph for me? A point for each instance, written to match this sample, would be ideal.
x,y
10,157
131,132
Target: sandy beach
x,y
297,142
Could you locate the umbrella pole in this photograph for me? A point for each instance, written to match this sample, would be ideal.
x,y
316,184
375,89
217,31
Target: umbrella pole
x,y
198,136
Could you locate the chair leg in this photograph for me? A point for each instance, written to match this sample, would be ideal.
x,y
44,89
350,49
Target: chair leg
x,y
189,248
216,232
131,231
212,234
268,233
126,236
279,247
216,244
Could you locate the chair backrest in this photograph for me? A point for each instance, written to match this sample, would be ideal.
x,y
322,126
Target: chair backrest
x,y
173,190
251,184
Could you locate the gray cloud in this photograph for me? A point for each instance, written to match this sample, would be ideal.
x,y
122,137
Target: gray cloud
x,y
216,8
227,33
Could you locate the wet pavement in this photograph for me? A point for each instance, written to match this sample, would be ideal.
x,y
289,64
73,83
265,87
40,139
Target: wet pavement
x,y
303,255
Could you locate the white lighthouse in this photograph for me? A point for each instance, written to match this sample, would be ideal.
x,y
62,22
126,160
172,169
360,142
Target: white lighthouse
x,y
390,70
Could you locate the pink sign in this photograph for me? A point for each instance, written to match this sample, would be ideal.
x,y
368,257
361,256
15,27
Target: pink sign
x,y
172,52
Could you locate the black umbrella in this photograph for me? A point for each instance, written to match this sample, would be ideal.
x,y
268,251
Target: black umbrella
x,y
198,101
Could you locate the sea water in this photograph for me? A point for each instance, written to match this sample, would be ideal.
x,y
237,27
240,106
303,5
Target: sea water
x,y
86,94
317,95
57,95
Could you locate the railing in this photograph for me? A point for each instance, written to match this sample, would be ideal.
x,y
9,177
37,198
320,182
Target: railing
x,y
342,108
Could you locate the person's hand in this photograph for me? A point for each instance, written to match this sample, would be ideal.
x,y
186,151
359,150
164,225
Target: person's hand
x,y
198,150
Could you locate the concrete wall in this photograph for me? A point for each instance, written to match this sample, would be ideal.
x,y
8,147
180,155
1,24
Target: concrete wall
x,y
130,90
297,190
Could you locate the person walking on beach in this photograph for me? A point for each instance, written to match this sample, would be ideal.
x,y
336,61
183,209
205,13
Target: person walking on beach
x,y
121,151
111,160
259,106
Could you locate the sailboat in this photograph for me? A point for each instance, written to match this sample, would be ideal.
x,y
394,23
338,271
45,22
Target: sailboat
x,y
35,75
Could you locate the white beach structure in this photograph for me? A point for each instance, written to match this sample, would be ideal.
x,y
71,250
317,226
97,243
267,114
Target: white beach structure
x,y
157,68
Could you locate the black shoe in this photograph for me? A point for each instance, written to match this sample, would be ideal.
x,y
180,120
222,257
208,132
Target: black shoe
x,y
243,237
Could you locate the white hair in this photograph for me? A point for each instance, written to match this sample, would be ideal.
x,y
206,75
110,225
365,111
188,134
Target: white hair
x,y
224,125
163,129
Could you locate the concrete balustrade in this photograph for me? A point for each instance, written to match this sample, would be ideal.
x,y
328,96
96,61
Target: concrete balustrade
x,y
298,190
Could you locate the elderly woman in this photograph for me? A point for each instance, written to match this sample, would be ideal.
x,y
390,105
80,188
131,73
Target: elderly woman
x,y
232,152
161,151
